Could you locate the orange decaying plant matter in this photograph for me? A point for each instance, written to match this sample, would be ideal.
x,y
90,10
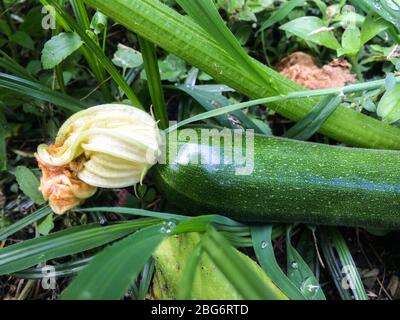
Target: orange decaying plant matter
x,y
301,68
61,188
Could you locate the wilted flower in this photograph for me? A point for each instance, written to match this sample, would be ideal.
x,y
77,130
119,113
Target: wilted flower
x,y
107,146
59,186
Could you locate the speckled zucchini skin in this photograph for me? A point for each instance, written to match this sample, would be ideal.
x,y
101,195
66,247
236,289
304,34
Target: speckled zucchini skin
x,y
292,181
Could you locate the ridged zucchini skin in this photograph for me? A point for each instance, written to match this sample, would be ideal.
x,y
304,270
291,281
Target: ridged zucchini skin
x,y
292,181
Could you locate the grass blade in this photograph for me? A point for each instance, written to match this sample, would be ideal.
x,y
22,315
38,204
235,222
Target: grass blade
x,y
3,141
206,15
111,272
341,265
145,279
262,244
28,253
22,223
211,100
40,92
61,270
189,273
12,66
300,273
247,282
166,216
150,61
305,128
281,13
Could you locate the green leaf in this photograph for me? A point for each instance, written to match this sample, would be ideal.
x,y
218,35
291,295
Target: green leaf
x,y
351,42
341,265
23,39
22,223
127,58
281,13
144,280
387,9
312,29
211,99
371,27
189,273
92,49
207,16
262,244
389,105
172,68
61,270
29,184
238,270
154,81
111,272
390,81
180,253
38,91
305,128
28,253
300,273
46,225
207,219
99,22
59,47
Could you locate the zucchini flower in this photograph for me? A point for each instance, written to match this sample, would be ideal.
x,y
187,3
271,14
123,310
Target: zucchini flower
x,y
107,146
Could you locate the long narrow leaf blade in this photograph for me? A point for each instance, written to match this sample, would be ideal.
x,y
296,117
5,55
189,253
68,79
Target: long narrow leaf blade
x,y
281,13
305,128
300,273
262,239
242,276
78,239
154,81
341,265
111,272
22,223
40,92
206,15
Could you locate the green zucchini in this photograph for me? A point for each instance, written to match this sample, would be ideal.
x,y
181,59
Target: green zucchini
x,y
292,181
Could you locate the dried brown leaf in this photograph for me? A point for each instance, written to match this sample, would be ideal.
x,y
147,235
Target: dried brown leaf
x,y
301,68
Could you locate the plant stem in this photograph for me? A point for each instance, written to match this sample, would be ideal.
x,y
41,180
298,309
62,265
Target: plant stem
x,y
58,68
366,86
356,67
